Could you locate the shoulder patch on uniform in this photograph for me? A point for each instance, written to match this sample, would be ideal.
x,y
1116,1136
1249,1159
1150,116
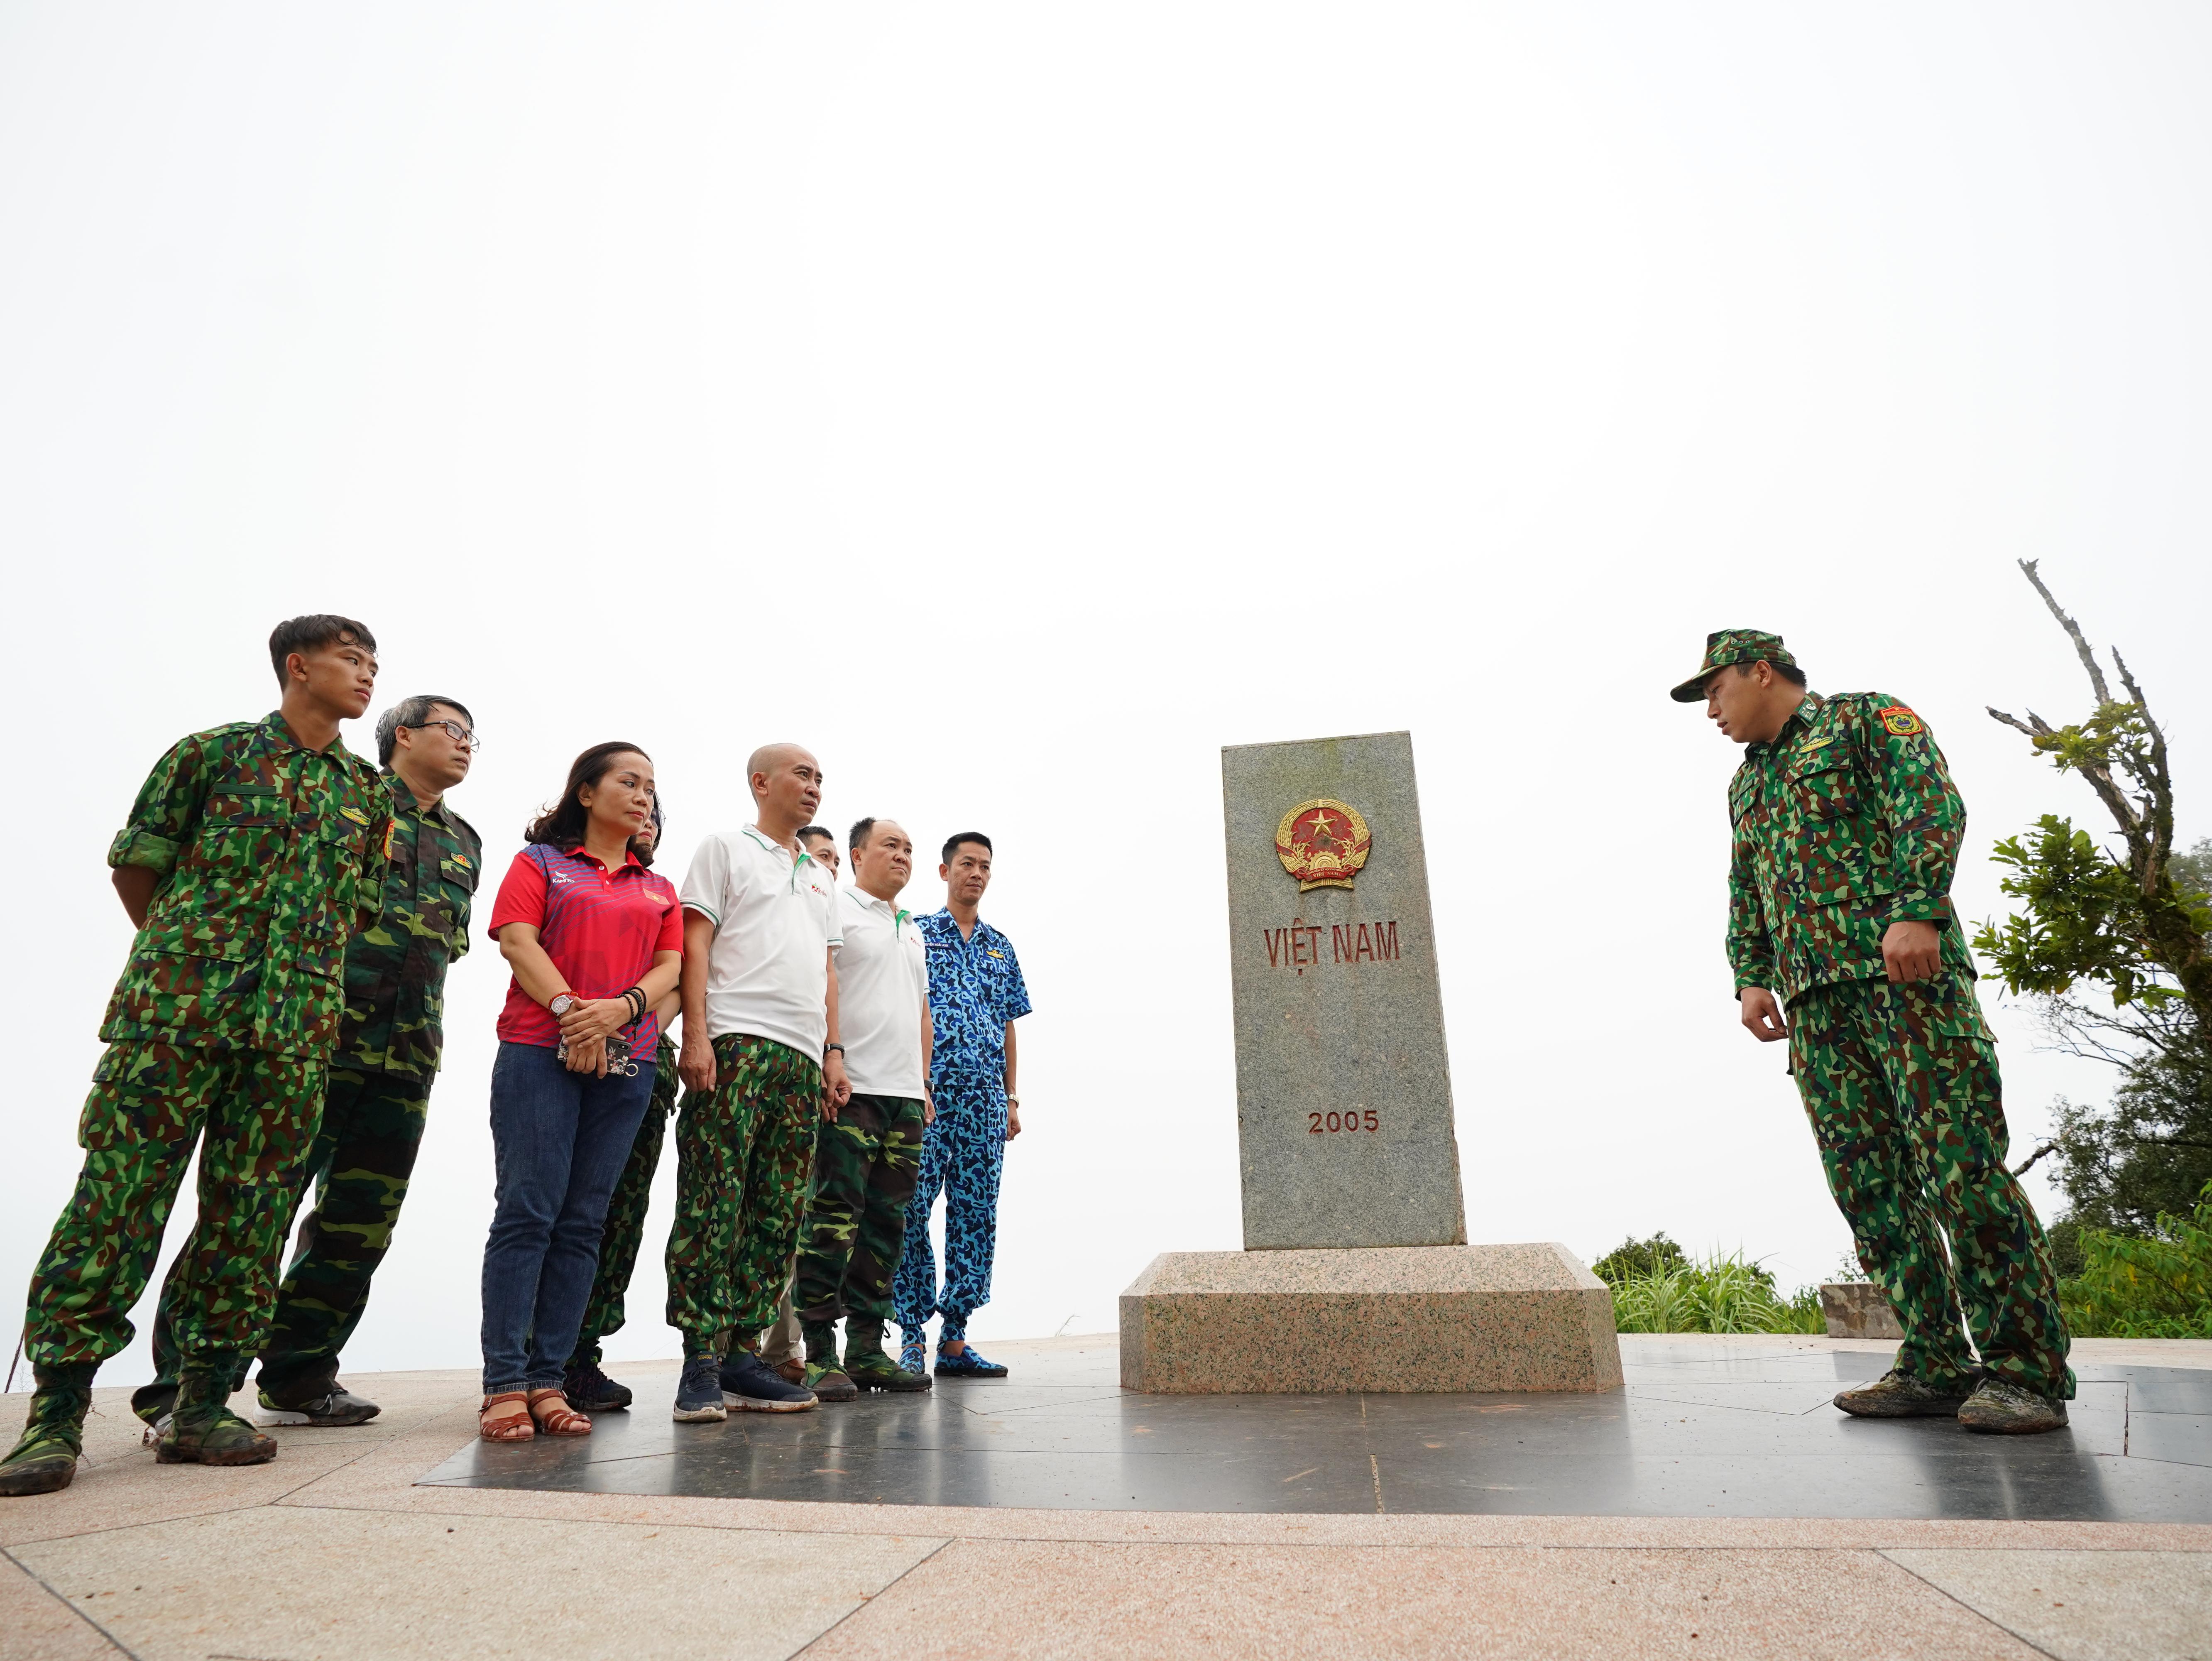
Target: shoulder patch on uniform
x,y
1898,721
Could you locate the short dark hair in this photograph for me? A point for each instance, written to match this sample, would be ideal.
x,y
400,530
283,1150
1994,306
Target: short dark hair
x,y
806,830
305,634
859,833
562,824
411,712
952,845
1789,671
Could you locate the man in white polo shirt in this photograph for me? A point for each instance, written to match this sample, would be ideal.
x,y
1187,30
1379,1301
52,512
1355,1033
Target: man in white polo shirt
x,y
867,1153
760,1062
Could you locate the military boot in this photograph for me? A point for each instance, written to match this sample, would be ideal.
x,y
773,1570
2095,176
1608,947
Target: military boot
x,y
2002,1409
869,1367
203,1431
44,1455
1898,1395
823,1375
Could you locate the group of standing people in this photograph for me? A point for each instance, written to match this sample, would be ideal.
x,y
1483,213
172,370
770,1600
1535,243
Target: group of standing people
x,y
843,1061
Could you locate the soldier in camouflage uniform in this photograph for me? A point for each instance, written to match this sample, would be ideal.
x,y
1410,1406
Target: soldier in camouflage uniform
x,y
377,1100
252,853
585,1383
1847,829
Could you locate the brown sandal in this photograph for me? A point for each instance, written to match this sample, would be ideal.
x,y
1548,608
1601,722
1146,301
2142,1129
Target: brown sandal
x,y
513,1422
554,1417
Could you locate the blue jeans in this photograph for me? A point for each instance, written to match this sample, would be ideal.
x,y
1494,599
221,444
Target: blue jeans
x,y
559,1140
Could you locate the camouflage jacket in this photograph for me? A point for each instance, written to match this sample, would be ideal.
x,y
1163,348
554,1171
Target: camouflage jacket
x,y
270,857
1848,822
395,970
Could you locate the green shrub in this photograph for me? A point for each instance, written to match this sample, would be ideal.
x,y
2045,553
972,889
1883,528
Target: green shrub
x,y
1713,1295
1633,1258
2155,1286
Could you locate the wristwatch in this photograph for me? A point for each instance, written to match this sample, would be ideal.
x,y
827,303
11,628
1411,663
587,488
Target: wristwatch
x,y
561,1004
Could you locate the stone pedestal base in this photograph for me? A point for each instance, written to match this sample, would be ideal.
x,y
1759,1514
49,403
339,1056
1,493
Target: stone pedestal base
x,y
1377,1318
1859,1309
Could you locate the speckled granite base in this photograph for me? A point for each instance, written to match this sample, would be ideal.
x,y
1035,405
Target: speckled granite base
x,y
1859,1309
1417,1318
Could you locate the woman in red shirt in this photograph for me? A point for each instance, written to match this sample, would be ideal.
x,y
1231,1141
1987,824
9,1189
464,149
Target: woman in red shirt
x,y
595,939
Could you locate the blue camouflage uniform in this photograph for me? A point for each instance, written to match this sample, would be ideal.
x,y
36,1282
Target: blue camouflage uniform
x,y
974,989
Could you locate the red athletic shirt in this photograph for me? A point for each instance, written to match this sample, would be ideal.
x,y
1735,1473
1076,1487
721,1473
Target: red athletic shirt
x,y
601,928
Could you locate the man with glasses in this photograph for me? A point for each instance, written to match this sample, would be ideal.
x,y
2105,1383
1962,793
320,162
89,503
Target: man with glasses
x,y
377,1100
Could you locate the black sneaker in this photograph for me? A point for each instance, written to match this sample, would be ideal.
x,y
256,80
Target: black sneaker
x,y
699,1393
334,1407
1999,1409
751,1385
1898,1395
590,1390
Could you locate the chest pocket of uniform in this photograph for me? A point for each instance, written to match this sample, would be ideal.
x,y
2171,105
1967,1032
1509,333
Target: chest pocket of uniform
x,y
244,807
1824,786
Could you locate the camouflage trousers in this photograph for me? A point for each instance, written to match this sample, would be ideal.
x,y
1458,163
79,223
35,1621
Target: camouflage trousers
x,y
625,1227
252,1113
865,1166
1900,1083
362,1156
744,1151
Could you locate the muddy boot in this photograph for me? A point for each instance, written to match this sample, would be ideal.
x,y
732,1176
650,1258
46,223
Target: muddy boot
x,y
154,1402
869,1367
204,1431
44,1456
1999,1409
1898,1395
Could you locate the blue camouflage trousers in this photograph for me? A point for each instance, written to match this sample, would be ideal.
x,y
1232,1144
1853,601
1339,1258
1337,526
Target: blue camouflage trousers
x,y
963,1153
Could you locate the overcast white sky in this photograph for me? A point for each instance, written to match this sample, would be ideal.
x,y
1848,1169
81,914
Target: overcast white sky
x,y
1017,404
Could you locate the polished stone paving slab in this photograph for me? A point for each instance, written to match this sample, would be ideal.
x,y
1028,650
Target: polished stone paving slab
x,y
1692,1434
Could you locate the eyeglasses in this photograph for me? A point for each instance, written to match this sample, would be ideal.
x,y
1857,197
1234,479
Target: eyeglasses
x,y
454,730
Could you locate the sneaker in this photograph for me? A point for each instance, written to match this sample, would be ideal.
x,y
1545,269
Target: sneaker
x,y
336,1406
751,1385
873,1370
828,1383
1898,1395
699,1392
968,1363
590,1390
914,1354
1999,1409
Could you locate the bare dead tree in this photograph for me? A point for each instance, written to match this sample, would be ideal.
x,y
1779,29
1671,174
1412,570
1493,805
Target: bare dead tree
x,y
2121,750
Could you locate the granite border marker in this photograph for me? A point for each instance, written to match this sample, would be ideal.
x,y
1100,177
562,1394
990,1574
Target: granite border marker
x,y
1356,1274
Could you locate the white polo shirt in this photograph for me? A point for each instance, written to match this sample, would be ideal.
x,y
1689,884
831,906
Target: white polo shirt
x,y
775,918
883,991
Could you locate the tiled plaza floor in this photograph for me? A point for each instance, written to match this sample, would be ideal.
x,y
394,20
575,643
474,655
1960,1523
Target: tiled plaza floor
x,y
385,1540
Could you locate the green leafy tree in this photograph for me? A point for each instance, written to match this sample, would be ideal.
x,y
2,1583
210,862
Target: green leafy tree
x,y
2122,923
2133,927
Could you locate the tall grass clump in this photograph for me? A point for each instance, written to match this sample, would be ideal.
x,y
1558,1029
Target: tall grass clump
x,y
2154,1286
1658,1287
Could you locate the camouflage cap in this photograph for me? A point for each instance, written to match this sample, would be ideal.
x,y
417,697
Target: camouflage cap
x,y
1726,645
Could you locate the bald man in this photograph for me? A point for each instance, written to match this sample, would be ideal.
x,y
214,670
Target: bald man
x,y
761,1064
